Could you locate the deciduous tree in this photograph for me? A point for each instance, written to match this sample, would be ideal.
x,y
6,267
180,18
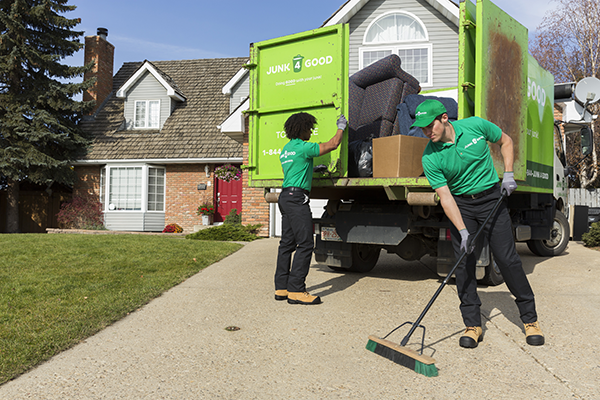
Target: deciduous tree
x,y
567,43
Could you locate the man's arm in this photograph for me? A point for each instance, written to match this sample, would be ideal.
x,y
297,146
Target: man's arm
x,y
450,207
335,141
332,144
507,151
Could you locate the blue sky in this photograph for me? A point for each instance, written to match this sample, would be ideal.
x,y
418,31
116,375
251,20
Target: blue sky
x,y
188,29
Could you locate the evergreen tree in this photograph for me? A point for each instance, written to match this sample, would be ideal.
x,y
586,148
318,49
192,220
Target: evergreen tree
x,y
39,135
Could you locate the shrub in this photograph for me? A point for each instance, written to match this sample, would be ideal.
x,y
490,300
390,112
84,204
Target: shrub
x,y
592,237
227,232
233,218
173,228
83,212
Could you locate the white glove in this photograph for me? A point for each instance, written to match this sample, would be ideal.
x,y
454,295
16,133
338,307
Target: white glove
x,y
508,183
464,238
342,122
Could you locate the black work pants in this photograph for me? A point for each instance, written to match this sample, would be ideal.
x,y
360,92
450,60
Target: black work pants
x,y
500,237
296,236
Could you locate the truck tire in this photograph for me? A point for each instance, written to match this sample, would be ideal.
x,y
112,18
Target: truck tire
x,y
559,238
364,257
493,276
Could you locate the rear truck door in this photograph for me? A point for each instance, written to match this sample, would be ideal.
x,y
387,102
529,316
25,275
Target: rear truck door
x,y
305,72
502,83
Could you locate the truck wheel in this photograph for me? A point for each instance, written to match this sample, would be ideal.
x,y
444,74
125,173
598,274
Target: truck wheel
x,y
493,276
559,238
364,257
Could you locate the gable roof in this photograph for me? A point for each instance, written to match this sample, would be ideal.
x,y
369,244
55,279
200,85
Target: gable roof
x,y
241,74
165,80
190,134
351,7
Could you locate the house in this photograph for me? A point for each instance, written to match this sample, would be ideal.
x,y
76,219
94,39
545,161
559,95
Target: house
x,y
424,33
156,141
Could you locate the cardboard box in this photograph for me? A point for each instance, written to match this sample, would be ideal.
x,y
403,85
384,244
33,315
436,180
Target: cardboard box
x,y
398,156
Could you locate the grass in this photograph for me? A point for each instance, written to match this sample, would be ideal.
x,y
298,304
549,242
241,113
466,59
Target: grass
x,y
56,290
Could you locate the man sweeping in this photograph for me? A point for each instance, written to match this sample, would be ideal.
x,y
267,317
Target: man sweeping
x,y
458,164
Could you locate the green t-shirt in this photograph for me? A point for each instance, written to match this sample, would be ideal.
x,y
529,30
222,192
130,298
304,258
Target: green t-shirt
x,y
466,165
297,163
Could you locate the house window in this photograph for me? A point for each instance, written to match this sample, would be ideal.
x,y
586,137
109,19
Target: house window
x,y
125,188
103,187
403,34
156,189
146,114
133,188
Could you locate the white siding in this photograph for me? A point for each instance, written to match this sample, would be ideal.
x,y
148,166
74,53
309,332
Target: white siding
x,y
443,35
124,221
134,221
239,92
154,222
147,88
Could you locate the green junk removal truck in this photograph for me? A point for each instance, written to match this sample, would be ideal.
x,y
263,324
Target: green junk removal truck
x,y
395,209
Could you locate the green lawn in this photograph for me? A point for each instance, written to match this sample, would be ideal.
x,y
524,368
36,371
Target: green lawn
x,y
56,290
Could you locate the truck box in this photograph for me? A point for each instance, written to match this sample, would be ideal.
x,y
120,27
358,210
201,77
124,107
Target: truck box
x,y
396,210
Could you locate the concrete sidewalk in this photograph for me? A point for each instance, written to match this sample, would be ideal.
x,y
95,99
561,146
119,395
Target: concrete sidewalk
x,y
177,346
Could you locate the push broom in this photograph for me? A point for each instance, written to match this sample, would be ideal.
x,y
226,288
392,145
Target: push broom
x,y
409,358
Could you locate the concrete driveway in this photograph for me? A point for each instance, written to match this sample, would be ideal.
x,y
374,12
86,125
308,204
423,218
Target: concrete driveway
x,y
177,346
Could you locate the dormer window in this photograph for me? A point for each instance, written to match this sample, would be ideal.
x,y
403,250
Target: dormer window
x,y
147,114
404,34
150,97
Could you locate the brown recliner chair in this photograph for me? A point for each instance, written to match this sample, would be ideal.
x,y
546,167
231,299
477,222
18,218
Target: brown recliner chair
x,y
374,93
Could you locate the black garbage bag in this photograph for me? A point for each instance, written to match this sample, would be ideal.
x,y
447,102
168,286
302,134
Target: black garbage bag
x,y
360,158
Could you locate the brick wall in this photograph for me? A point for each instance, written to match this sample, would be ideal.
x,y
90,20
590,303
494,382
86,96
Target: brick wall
x,y
255,209
99,51
183,196
558,115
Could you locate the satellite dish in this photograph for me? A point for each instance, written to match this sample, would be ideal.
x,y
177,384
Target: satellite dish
x,y
588,90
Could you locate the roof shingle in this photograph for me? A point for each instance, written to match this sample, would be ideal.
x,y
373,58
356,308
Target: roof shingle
x,y
191,130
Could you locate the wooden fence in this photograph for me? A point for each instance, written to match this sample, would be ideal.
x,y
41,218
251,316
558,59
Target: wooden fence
x,y
37,210
584,197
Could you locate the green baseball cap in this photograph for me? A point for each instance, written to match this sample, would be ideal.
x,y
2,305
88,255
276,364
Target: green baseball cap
x,y
427,111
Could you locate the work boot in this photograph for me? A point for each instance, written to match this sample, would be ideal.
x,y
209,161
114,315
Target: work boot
x,y
281,295
302,298
472,336
533,334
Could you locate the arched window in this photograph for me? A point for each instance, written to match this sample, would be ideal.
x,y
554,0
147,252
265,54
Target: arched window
x,y
395,27
400,33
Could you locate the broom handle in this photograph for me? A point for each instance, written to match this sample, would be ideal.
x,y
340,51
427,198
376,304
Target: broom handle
x,y
462,256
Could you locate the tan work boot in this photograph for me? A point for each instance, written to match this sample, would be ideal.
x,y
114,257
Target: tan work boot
x,y
533,334
472,336
302,298
281,294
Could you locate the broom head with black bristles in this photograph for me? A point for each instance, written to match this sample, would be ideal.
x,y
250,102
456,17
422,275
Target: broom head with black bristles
x,y
404,356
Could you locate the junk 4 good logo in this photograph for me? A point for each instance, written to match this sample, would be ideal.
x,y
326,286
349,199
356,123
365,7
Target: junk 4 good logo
x,y
297,63
536,93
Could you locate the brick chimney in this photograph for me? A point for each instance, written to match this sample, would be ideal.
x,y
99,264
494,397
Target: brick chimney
x,y
99,51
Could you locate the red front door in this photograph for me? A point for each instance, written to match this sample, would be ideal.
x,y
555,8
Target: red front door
x,y
228,196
